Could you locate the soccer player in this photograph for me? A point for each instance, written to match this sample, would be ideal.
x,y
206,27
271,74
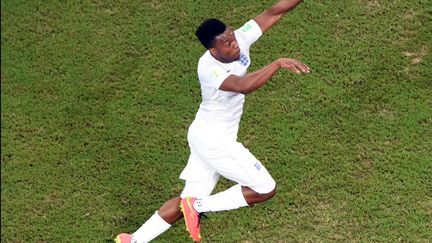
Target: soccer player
x,y
212,136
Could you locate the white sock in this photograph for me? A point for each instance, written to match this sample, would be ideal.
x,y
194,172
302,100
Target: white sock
x,y
227,200
153,227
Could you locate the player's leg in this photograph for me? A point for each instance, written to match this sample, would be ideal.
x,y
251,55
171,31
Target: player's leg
x,y
233,198
170,212
253,197
159,222
255,184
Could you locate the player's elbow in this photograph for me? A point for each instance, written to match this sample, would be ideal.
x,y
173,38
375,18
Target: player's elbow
x,y
236,84
244,87
245,91
247,88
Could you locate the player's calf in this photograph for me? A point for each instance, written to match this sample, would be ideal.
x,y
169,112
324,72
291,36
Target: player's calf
x,y
253,197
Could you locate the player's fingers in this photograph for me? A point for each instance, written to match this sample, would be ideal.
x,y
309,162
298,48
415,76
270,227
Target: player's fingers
x,y
293,68
303,67
307,68
296,68
290,66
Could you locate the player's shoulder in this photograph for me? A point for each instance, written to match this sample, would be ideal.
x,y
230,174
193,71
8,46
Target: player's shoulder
x,y
206,61
205,57
211,70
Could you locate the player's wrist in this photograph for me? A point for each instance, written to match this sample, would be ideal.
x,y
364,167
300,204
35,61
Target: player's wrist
x,y
279,62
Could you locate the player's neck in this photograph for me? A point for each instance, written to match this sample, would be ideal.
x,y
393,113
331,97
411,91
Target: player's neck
x,y
220,59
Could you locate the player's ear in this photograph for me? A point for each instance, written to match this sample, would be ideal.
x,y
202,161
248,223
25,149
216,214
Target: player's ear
x,y
213,51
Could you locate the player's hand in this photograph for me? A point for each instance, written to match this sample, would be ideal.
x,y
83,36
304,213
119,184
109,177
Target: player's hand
x,y
294,65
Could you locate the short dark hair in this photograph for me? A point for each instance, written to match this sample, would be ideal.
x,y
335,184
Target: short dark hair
x,y
208,30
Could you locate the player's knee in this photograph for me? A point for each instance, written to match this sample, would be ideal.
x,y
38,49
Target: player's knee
x,y
270,188
267,194
270,194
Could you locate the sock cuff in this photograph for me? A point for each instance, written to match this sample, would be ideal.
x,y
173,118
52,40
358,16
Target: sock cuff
x,y
153,227
159,219
230,199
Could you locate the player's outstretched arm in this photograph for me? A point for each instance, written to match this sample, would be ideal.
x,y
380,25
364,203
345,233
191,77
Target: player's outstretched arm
x,y
253,81
272,15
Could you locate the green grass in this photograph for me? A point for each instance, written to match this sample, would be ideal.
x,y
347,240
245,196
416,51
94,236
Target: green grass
x,y
97,96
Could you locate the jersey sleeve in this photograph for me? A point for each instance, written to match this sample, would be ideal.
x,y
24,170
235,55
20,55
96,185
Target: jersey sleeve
x,y
248,34
212,75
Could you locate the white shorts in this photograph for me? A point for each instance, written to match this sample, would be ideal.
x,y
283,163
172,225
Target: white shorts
x,y
210,159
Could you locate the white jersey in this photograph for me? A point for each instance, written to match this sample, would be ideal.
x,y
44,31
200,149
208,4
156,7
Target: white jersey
x,y
220,111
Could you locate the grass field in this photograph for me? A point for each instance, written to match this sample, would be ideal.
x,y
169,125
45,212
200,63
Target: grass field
x,y
97,96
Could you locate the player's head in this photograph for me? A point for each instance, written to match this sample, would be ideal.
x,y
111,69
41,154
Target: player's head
x,y
219,40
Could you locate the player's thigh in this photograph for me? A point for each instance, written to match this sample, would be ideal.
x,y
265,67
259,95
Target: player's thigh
x,y
240,165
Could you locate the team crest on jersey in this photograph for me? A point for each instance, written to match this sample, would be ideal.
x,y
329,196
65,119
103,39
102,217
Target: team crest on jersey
x,y
244,60
258,166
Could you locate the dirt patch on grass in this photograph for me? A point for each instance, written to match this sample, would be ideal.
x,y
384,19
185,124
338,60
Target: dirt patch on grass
x,y
372,3
416,57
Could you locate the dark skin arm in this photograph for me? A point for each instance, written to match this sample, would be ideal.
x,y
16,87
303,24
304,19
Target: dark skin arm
x,y
272,15
255,80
